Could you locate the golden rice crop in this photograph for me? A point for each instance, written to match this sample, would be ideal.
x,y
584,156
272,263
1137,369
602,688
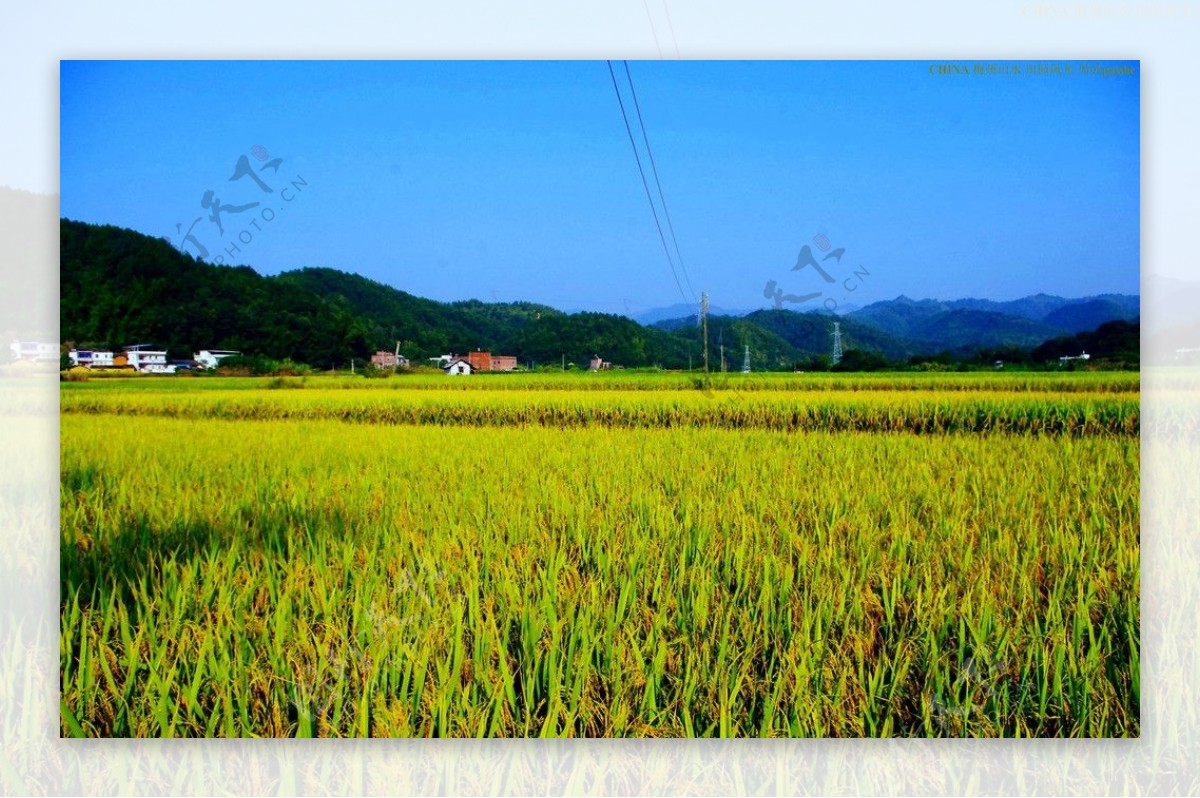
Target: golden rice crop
x,y
459,564
792,411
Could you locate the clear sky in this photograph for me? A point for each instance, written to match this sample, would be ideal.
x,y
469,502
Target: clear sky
x,y
516,180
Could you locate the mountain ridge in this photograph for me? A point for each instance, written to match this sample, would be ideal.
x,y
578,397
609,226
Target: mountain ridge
x,y
119,286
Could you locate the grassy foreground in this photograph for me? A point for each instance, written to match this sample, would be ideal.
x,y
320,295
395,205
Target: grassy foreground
x,y
276,571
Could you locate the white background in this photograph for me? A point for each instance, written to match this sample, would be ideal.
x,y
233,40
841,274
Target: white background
x,y
34,37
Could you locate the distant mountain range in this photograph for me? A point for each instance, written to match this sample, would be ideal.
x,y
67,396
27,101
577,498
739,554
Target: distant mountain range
x,y
119,287
904,327
938,325
681,311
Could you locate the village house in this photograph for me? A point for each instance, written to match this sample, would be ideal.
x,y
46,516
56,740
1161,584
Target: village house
x,y
90,358
1068,358
388,360
458,366
479,361
486,361
597,364
148,361
209,358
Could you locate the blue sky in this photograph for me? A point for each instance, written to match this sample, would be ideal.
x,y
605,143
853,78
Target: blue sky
x,y
516,180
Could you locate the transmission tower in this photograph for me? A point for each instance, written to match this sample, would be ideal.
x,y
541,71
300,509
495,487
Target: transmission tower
x,y
837,343
746,361
704,327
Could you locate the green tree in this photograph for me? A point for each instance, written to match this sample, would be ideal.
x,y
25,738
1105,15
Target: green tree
x,y
860,360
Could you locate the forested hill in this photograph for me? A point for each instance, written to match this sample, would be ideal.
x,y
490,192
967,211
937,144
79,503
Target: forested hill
x,y
119,287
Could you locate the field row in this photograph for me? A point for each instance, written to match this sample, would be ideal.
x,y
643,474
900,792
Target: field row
x,y
1018,382
318,578
1074,414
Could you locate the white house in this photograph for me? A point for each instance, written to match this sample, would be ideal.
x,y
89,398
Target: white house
x,y
148,361
458,366
89,358
37,351
1067,358
209,358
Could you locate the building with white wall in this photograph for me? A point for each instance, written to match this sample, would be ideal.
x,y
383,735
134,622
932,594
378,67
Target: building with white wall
x,y
209,358
90,358
458,366
148,361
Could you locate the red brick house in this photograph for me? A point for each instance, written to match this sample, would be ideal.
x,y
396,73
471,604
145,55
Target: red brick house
x,y
486,361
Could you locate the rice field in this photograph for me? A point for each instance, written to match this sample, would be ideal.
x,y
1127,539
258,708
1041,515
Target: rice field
x,y
782,411
809,557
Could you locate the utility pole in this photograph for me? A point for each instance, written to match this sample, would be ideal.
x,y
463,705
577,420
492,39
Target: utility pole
x,y
564,361
704,327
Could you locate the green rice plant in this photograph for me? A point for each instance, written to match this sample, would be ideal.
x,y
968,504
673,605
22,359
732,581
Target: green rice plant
x,y
936,412
1097,382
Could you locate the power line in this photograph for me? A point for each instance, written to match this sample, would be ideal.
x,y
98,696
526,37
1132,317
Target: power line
x,y
646,185
671,28
652,31
654,168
